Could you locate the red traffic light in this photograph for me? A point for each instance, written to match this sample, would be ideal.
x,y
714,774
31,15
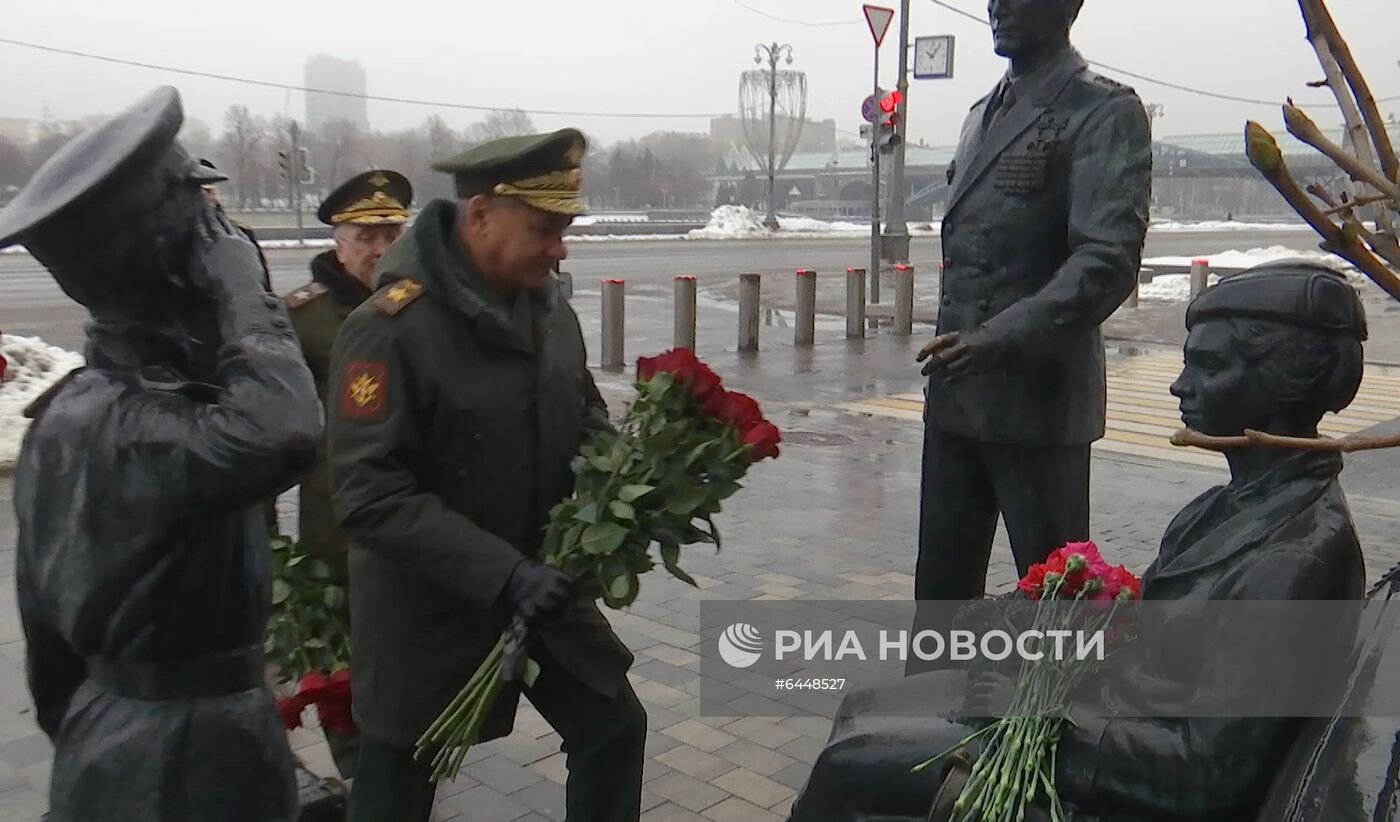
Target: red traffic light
x,y
890,101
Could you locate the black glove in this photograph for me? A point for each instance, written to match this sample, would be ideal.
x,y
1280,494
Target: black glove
x,y
539,593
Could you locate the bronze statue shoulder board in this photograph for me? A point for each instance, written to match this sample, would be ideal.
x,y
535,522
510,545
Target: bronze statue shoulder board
x,y
41,403
306,294
394,298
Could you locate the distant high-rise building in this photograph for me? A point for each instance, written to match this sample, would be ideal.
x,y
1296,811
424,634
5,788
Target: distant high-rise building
x,y
334,74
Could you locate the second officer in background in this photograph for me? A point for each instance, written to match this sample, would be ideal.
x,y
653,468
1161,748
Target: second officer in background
x,y
367,213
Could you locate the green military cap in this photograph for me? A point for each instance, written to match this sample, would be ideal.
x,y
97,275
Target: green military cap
x,y
542,170
376,197
1293,292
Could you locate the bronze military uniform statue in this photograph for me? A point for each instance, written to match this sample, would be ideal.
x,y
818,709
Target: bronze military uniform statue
x,y
1042,239
459,394
142,565
367,213
1272,349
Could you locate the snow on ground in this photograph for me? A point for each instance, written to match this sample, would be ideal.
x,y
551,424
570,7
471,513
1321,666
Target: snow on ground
x,y
34,366
732,222
1225,225
1254,256
1177,287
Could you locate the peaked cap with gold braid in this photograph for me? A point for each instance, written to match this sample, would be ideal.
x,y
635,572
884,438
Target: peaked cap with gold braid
x,y
375,197
541,170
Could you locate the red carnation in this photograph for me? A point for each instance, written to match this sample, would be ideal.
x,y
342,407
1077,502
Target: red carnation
x,y
1033,583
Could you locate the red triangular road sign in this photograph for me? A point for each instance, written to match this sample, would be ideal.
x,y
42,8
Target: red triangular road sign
x,y
879,19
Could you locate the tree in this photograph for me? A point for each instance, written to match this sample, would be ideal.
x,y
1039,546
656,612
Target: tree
x,y
196,137
51,138
500,123
14,166
1369,158
244,134
443,142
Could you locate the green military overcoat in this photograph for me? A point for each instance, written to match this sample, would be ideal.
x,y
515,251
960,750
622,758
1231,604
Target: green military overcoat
x,y
317,310
453,416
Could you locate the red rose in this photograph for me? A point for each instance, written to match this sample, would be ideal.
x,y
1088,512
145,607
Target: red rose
x,y
741,411
331,696
762,440
290,707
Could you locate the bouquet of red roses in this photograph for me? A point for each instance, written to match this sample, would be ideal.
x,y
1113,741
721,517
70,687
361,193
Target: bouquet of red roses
x,y
1016,767
307,640
680,450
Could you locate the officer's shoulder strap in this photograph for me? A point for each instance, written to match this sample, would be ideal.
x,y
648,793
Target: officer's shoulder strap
x,y
305,295
391,299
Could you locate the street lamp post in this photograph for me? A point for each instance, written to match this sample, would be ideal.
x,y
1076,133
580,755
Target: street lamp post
x,y
773,53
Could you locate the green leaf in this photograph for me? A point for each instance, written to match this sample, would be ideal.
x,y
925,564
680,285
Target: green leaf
x,y
714,532
532,672
632,493
670,557
622,510
280,591
588,513
333,597
603,538
295,561
314,642
602,463
687,499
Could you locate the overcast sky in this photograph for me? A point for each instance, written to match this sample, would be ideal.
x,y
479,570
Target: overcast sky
x,y
651,56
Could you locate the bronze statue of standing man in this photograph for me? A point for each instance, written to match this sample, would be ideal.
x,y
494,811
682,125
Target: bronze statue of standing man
x,y
1042,239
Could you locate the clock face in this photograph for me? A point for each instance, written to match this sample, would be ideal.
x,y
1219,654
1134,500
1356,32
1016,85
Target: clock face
x,y
933,57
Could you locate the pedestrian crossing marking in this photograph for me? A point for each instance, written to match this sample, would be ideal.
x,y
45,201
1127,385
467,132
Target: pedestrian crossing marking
x,y
1142,413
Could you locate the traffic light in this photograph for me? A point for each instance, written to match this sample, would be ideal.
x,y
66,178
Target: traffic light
x,y
284,161
888,123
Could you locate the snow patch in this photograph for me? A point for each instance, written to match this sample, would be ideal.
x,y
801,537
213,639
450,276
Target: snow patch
x,y
1255,256
1224,225
34,366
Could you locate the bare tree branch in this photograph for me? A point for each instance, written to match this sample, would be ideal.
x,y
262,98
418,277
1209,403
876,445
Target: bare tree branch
x,y
1302,127
1263,152
1350,442
1326,40
1316,16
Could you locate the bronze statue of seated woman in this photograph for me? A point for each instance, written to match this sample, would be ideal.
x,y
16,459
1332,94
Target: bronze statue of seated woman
x,y
1272,349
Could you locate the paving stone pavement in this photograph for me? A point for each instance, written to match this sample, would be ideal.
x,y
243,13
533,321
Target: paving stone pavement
x,y
833,518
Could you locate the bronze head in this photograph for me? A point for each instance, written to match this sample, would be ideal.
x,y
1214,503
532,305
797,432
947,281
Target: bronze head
x,y
1021,28
1271,349
113,216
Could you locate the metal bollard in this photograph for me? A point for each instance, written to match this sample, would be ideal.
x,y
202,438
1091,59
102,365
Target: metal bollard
x,y
566,284
1200,275
685,312
1132,300
805,326
855,303
903,299
612,323
748,312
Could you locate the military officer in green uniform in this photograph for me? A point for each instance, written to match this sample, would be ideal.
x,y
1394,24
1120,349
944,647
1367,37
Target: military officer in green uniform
x,y
459,394
367,213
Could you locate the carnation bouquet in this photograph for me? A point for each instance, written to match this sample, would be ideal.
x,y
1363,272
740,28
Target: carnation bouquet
x,y
680,450
1016,767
